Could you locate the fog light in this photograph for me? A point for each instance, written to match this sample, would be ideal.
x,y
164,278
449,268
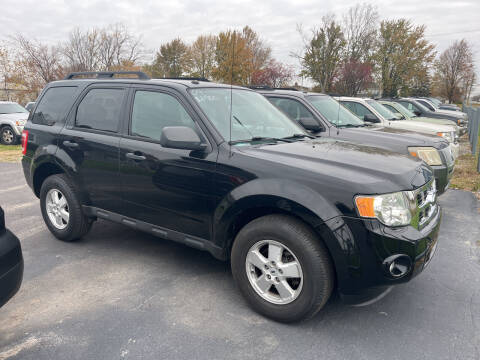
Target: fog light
x,y
398,265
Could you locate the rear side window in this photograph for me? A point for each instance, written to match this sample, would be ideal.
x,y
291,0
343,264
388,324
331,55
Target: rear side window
x,y
292,108
100,110
409,106
152,111
54,105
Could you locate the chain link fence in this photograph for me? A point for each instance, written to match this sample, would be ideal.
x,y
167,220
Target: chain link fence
x,y
473,129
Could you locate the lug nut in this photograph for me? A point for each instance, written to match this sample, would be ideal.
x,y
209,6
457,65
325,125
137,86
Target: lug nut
x,y
266,267
273,263
280,271
276,279
269,277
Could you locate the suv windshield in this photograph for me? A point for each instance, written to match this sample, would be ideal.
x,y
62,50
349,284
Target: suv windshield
x,y
253,116
404,111
382,110
11,108
333,111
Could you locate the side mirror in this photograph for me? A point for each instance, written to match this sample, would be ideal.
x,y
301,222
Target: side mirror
x,y
416,112
371,118
181,137
400,116
311,124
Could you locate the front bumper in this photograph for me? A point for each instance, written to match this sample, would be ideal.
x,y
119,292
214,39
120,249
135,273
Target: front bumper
x,y
18,130
455,147
443,174
365,268
11,265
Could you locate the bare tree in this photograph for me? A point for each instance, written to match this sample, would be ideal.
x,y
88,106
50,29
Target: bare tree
x,y
117,46
101,49
82,50
455,71
43,61
360,30
260,52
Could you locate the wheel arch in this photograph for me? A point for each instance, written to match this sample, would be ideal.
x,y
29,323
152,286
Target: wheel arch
x,y
264,197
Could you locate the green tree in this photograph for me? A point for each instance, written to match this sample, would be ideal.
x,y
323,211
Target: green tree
x,y
172,60
203,56
233,59
322,54
402,53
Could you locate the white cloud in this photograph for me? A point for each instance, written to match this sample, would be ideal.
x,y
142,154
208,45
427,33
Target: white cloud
x,y
275,20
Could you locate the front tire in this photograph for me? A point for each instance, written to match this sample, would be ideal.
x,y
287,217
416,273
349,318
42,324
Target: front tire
x,y
62,210
282,269
7,136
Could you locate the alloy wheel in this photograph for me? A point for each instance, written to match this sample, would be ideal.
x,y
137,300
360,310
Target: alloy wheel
x,y
57,208
7,136
274,272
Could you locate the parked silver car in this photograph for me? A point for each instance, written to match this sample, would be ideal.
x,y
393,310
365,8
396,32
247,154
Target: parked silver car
x,y
12,119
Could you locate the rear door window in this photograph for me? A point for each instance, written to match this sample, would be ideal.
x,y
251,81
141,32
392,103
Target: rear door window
x,y
100,110
54,105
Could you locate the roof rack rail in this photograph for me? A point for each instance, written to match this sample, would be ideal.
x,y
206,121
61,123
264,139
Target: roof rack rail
x,y
260,87
107,74
192,78
286,88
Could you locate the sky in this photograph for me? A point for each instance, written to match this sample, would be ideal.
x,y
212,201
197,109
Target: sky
x,y
275,20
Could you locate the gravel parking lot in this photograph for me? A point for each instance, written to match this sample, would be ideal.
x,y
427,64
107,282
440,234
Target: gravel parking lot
x,y
122,294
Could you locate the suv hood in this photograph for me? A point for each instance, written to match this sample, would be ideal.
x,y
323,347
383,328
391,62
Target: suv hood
x,y
397,140
14,116
435,121
419,126
326,161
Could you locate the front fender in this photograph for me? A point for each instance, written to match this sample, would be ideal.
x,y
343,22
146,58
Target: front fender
x,y
300,201
285,195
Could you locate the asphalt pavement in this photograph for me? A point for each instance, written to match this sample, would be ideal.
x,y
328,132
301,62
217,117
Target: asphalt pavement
x,y
123,294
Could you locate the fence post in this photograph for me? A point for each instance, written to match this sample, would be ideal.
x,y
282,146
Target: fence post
x,y
476,121
470,122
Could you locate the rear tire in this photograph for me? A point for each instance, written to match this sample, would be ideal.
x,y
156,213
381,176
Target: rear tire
x,y
298,283
8,136
62,210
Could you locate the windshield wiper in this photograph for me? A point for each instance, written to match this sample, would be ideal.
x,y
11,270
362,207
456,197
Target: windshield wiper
x,y
350,125
298,136
259,138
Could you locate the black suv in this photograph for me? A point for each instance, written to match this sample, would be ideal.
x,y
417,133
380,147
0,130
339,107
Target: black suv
x,y
324,116
221,169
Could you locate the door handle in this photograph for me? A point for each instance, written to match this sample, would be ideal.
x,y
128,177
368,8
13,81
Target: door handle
x,y
136,157
70,144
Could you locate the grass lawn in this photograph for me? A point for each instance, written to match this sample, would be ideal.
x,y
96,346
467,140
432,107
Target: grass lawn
x,y
10,153
466,176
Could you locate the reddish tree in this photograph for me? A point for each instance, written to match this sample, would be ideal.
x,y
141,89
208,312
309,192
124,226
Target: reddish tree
x,y
353,77
274,74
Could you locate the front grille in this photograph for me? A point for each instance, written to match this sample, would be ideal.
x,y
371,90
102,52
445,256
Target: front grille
x,y
425,204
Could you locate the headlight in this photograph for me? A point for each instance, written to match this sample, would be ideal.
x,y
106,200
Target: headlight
x,y
20,122
390,209
450,136
428,154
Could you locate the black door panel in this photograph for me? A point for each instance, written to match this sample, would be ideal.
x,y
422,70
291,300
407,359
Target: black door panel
x,y
167,187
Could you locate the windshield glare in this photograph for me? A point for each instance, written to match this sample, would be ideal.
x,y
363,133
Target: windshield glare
x,y
382,110
12,108
252,114
404,111
333,111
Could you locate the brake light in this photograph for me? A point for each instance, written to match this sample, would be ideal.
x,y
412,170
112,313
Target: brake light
x,y
24,141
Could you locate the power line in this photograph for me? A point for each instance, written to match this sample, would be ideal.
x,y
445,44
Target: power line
x,y
455,32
